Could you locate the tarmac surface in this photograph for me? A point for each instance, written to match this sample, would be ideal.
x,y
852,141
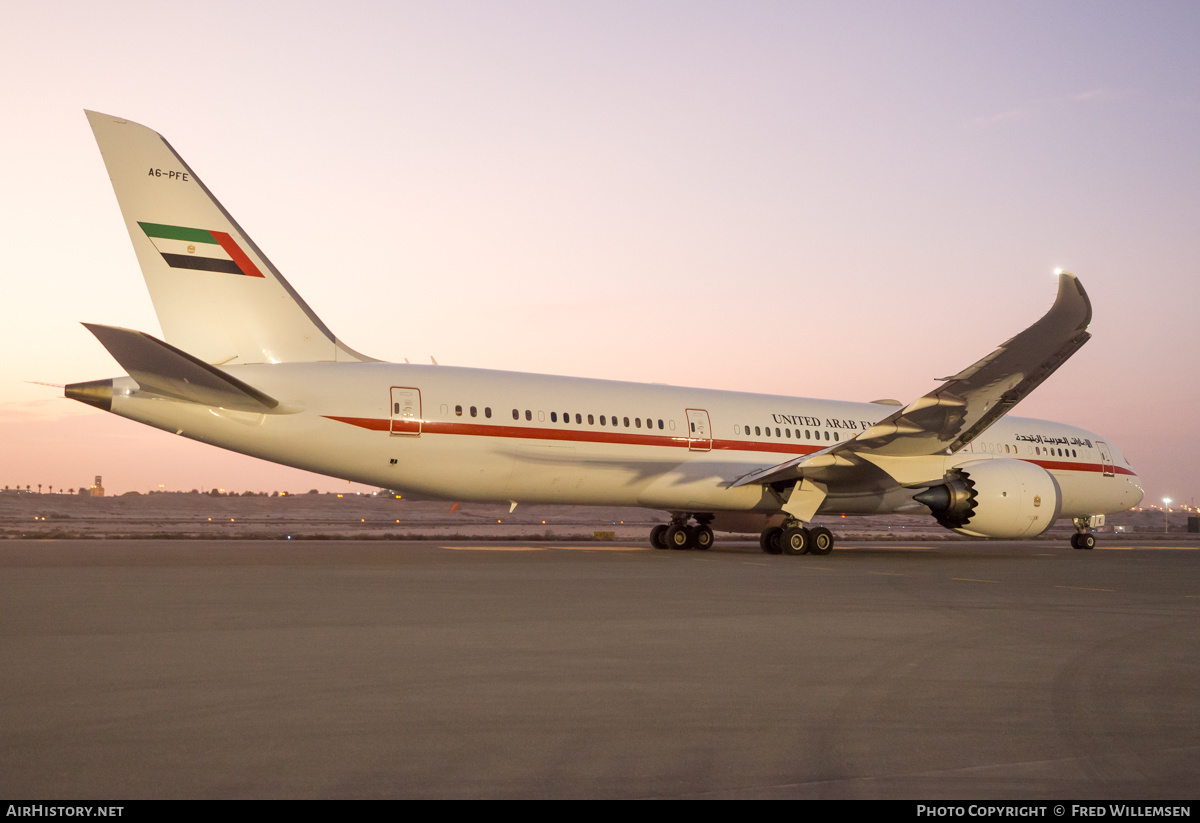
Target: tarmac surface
x,y
232,669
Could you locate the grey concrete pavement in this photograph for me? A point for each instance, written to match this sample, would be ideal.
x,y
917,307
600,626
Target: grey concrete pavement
x,y
370,669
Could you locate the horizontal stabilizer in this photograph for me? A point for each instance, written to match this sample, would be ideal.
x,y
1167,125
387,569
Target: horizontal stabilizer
x,y
160,368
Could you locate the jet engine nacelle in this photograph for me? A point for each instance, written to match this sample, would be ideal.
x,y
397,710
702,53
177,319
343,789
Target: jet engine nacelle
x,y
995,498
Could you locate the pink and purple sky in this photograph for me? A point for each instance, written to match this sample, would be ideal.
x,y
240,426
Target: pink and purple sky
x,y
833,199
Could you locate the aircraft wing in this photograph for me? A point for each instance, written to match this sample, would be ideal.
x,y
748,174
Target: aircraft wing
x,y
160,368
966,404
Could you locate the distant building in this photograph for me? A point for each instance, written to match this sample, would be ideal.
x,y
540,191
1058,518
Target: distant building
x,y
97,489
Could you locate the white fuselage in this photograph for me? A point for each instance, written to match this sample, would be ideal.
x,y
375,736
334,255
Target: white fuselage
x,y
490,436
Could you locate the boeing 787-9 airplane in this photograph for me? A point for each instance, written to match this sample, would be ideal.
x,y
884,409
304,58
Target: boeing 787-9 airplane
x,y
246,365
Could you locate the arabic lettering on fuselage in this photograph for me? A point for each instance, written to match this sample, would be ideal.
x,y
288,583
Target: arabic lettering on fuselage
x,y
1050,440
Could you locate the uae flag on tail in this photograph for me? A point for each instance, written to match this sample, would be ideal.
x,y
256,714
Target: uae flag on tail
x,y
199,249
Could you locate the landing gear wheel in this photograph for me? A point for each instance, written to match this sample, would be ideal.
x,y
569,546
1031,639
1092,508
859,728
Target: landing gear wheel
x,y
658,536
678,537
822,541
768,541
1086,542
796,540
702,538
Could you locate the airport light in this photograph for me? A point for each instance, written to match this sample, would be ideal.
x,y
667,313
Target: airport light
x,y
1166,515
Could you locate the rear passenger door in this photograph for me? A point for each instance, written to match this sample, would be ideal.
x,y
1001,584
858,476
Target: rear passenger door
x,y
406,411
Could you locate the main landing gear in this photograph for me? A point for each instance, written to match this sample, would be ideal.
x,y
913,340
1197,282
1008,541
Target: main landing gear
x,y
679,535
794,538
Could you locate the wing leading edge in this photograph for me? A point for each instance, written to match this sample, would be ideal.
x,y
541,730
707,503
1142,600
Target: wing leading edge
x,y
967,403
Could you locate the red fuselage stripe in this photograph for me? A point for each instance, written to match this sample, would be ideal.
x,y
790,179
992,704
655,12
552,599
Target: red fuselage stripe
x,y
665,440
576,435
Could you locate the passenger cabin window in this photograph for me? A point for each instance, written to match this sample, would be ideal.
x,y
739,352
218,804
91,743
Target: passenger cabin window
x,y
592,421
474,412
528,414
516,415
487,412
458,411
553,417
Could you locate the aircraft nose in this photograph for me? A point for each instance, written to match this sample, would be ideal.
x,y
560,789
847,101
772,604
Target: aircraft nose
x,y
1136,492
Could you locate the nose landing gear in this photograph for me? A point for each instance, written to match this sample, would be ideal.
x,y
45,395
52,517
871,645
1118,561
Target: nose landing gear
x,y
1087,542
1083,538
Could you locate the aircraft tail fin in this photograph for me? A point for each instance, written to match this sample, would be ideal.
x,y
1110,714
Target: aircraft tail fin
x,y
216,294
